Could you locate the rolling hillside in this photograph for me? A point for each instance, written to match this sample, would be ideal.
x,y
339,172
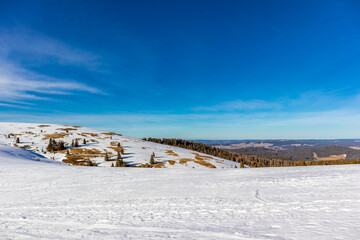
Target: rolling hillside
x,y
94,145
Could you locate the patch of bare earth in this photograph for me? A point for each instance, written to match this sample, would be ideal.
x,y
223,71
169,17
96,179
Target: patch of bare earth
x,y
171,153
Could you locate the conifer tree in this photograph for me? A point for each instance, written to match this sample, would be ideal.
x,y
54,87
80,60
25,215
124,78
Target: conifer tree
x,y
118,161
17,140
242,164
50,146
84,141
112,164
76,143
152,158
106,157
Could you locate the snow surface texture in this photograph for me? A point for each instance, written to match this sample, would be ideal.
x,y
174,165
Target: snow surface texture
x,y
35,137
51,201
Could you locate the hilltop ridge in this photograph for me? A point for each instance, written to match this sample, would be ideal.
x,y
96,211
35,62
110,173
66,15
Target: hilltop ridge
x,y
94,145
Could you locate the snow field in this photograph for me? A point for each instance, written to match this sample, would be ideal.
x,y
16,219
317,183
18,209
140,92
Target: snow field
x,y
50,201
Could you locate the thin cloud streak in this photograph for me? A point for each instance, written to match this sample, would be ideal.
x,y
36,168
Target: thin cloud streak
x,y
20,85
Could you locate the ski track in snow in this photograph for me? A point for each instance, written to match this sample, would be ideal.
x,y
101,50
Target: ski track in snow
x,y
43,200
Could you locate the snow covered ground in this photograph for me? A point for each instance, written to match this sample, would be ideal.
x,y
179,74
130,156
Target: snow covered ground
x,y
35,137
40,200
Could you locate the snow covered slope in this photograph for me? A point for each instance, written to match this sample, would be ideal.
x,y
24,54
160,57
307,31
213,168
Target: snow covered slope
x,y
50,201
35,137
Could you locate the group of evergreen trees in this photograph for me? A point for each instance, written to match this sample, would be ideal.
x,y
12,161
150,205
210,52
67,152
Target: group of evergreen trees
x,y
119,162
55,146
250,160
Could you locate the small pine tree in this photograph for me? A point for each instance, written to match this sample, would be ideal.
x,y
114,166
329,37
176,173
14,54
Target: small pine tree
x,y
76,143
242,164
106,157
112,165
17,140
72,143
152,158
118,161
119,145
50,146
84,141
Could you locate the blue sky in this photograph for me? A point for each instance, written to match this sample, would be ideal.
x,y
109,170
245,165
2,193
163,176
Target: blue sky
x,y
189,69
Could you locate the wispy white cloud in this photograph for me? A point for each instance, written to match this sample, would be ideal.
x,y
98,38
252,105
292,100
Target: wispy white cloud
x,y
40,48
21,85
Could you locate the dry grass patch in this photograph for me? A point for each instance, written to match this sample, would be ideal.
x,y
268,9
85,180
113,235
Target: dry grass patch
x,y
44,126
92,151
112,134
114,144
91,134
158,165
205,163
200,162
77,160
30,133
66,129
93,140
171,153
185,160
117,149
25,147
56,135
201,157
171,162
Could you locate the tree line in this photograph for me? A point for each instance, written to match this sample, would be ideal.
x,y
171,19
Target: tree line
x,y
249,160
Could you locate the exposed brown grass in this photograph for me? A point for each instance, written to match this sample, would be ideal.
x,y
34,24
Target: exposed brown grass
x,y
114,144
56,135
117,149
185,160
201,157
44,125
77,160
112,134
91,134
25,147
93,140
86,151
205,163
158,165
16,134
200,162
171,162
171,153
66,129
30,133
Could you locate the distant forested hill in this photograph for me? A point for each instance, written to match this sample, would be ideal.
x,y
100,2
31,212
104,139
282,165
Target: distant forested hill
x,y
300,153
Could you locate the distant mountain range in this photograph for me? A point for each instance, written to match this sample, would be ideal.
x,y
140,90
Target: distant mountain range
x,y
282,144
311,149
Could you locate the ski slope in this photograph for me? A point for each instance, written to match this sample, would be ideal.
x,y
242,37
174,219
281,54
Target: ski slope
x,y
35,137
42,199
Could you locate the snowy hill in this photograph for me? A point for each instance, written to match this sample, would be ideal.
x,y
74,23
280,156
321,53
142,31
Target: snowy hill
x,y
51,201
97,144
